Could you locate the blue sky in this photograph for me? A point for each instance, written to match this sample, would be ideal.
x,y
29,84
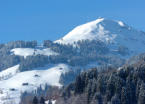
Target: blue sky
x,y
52,19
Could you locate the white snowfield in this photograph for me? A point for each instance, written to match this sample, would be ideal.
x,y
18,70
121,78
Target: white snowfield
x,y
5,74
31,51
10,89
121,23
53,102
113,33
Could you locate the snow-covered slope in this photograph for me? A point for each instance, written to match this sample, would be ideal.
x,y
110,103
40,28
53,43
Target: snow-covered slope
x,y
10,89
7,73
113,33
30,51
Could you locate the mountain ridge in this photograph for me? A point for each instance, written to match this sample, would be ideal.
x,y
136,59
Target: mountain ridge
x,y
111,32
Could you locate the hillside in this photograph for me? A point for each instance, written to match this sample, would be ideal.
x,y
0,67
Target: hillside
x,y
125,85
114,86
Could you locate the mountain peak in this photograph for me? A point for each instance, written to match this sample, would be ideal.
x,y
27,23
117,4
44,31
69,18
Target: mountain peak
x,y
111,32
97,29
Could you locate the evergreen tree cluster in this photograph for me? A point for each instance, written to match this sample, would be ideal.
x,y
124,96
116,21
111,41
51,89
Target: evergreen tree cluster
x,y
105,85
41,96
123,86
7,59
33,62
85,52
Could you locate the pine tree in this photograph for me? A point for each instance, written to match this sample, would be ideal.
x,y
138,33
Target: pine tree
x,y
124,96
115,100
42,100
50,102
35,100
141,99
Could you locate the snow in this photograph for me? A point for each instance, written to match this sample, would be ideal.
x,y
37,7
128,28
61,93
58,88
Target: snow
x,y
47,75
30,51
81,32
121,23
113,33
53,101
7,73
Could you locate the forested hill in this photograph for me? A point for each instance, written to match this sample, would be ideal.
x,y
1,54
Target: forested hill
x,y
125,85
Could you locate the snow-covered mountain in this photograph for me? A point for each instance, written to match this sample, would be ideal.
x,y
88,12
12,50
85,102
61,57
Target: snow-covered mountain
x,y
113,33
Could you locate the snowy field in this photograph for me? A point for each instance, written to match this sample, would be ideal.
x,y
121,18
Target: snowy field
x,y
10,89
31,51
